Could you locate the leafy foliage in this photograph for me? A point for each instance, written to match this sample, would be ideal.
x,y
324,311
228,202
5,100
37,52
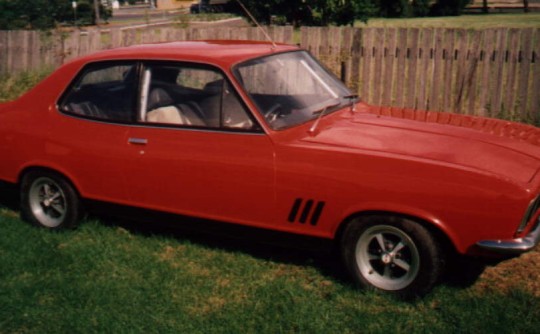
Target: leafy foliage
x,y
344,12
448,7
311,12
45,14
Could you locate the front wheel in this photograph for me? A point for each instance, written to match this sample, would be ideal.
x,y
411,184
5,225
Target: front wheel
x,y
48,200
392,254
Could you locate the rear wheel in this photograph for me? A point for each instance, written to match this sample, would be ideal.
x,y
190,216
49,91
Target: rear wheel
x,y
392,254
49,201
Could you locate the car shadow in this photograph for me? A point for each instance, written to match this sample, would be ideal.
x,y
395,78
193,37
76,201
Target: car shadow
x,y
9,196
255,244
461,272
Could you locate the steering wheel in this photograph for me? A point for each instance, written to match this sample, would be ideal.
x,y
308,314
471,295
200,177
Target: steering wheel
x,y
273,112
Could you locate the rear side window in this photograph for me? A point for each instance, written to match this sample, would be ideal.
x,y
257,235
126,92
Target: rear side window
x,y
103,91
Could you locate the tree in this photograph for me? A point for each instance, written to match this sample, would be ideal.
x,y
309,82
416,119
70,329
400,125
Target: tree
x,y
420,8
44,14
394,8
318,12
448,7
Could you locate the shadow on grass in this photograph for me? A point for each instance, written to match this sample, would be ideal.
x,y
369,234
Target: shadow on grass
x,y
9,196
266,245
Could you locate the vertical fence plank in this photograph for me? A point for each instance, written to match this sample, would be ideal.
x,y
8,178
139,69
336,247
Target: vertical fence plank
x,y
472,84
448,55
500,54
378,56
345,53
18,39
460,57
401,54
4,52
388,67
355,68
412,59
438,64
534,103
116,37
367,62
489,40
94,40
525,65
424,67
34,62
511,61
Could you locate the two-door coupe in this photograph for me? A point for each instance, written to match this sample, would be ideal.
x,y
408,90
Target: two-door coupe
x,y
262,135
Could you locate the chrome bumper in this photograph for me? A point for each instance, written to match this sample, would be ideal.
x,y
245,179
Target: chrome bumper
x,y
513,246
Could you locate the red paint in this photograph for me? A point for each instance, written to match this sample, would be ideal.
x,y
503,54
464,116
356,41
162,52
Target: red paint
x,y
470,177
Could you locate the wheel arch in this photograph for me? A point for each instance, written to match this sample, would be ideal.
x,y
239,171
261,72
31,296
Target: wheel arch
x,y
39,168
436,229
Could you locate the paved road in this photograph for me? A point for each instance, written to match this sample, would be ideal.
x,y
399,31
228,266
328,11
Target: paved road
x,y
143,14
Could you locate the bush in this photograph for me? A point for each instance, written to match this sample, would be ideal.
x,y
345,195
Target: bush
x,y
420,8
46,14
448,7
394,8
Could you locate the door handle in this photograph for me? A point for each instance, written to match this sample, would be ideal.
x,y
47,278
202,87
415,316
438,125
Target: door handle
x,y
138,141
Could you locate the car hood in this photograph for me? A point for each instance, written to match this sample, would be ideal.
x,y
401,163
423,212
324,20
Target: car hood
x,y
460,143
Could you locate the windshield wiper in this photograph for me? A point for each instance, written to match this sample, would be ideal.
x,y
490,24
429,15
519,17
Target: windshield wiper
x,y
322,110
321,114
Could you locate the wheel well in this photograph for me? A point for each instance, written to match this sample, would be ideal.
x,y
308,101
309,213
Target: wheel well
x,y
31,169
446,244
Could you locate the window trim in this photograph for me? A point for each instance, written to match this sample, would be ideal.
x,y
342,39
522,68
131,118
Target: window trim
x,y
235,69
256,128
140,66
96,65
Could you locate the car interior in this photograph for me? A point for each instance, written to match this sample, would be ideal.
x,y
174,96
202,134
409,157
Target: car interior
x,y
193,102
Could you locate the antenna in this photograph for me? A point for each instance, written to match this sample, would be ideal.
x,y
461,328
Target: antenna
x,y
257,23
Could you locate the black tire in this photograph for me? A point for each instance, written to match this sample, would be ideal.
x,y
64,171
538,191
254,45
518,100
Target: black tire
x,y
392,254
48,200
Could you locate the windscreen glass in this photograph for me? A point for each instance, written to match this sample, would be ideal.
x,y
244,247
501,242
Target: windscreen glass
x,y
291,88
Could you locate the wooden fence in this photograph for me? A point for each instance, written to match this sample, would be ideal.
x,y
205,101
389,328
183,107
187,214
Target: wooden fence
x,y
493,72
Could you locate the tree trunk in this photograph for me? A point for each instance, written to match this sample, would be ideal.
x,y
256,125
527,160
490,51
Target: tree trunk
x,y
96,10
485,8
526,6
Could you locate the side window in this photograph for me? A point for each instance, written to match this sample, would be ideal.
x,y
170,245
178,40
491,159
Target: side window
x,y
103,91
191,96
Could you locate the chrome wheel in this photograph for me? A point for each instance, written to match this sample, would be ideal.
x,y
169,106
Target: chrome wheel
x,y
47,202
387,257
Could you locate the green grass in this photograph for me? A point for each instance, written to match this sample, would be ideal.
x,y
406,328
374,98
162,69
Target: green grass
x,y
108,278
528,20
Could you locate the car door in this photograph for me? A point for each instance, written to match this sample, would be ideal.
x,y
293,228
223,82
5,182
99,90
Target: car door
x,y
197,151
89,142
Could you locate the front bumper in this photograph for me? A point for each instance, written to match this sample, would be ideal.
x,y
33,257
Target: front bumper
x,y
513,246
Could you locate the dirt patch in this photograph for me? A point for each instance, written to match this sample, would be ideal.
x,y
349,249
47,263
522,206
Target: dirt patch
x,y
521,273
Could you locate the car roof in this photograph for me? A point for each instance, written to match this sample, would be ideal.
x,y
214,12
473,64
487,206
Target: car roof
x,y
220,52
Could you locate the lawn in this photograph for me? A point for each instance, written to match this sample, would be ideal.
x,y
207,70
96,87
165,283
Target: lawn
x,y
529,20
114,276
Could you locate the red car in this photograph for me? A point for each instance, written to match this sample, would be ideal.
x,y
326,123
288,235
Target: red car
x,y
262,135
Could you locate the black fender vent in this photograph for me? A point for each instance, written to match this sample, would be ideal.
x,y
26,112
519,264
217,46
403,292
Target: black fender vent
x,y
309,210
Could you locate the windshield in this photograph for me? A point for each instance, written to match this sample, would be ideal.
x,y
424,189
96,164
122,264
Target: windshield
x,y
291,88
